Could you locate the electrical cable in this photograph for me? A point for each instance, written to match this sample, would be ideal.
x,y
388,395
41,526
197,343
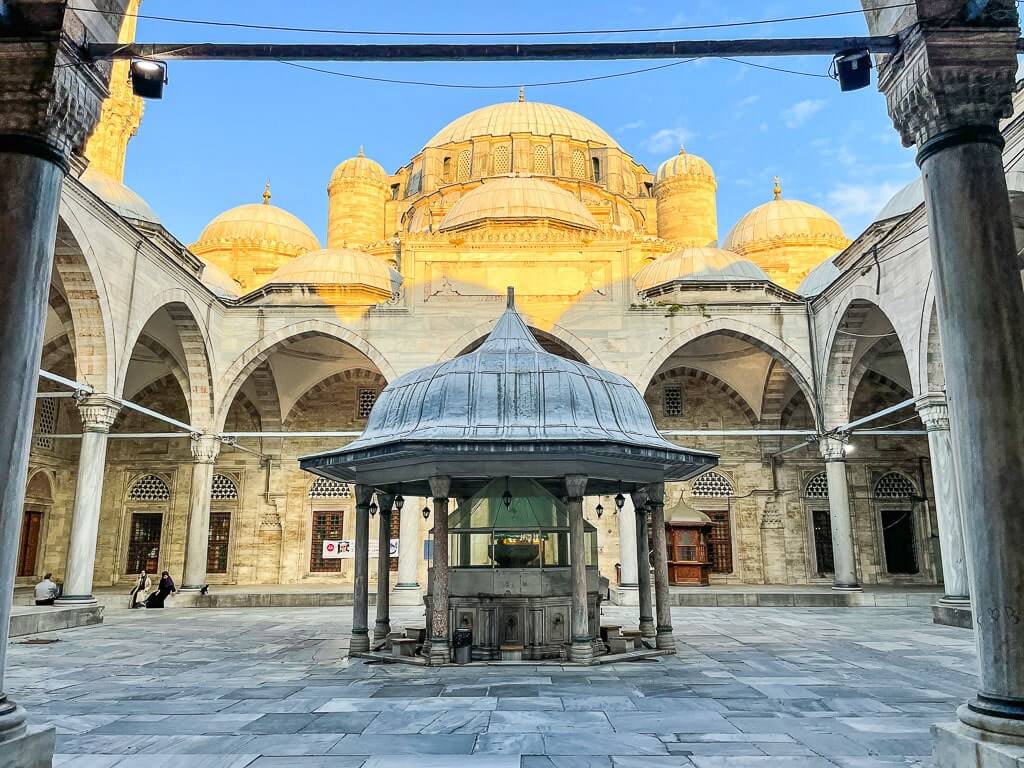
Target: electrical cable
x,y
775,69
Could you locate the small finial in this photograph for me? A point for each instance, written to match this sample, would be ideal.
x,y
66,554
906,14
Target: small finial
x,y
361,153
778,189
266,193
522,94
511,304
682,150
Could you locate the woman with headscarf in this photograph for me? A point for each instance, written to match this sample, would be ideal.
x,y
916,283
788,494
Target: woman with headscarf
x,y
142,586
163,589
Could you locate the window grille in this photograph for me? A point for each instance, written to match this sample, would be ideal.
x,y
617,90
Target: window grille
x,y
46,422
223,489
465,168
367,397
415,183
712,485
149,488
817,487
579,165
326,525
894,486
541,160
672,400
597,168
502,159
322,488
720,541
219,540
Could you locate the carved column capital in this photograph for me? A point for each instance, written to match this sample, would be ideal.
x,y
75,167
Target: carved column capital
x,y
934,412
950,78
575,486
98,412
205,449
440,486
833,448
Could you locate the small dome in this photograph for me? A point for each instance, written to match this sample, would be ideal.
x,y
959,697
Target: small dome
x,y
521,117
903,202
684,164
699,265
360,167
220,282
785,222
261,225
518,198
125,201
337,267
819,278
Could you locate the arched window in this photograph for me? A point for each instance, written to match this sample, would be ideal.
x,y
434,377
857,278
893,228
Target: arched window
x,y
579,165
817,487
541,160
223,489
596,162
712,485
502,159
46,421
446,169
894,486
322,488
465,164
365,398
149,488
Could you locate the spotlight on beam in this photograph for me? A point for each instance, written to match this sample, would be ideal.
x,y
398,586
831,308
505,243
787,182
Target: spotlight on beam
x,y
148,78
852,70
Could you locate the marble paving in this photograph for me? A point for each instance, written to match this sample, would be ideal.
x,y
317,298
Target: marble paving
x,y
263,688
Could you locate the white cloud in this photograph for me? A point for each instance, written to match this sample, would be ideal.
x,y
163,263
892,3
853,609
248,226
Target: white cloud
x,y
666,140
855,201
802,111
636,124
749,101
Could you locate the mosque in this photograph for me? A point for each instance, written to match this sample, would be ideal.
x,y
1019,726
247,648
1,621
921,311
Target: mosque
x,y
261,346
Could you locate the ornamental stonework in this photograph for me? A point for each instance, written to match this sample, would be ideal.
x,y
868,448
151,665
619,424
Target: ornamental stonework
x,y
98,412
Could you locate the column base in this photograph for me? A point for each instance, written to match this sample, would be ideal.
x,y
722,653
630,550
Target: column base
x,y
847,588
76,600
194,588
998,742
360,642
625,594
581,651
664,640
954,601
32,749
381,630
439,652
407,594
647,627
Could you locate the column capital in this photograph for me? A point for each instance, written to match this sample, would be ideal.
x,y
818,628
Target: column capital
x,y
205,449
575,486
934,412
364,496
440,486
639,499
833,448
98,412
951,80
655,493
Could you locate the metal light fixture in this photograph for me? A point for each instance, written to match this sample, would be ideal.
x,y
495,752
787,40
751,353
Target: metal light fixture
x,y
507,495
620,502
600,510
373,508
426,512
852,70
148,78
399,502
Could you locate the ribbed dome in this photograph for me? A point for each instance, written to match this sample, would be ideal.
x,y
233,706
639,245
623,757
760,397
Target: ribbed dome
x,y
518,198
698,265
905,201
257,224
124,200
360,167
220,282
522,117
819,278
334,267
684,164
786,222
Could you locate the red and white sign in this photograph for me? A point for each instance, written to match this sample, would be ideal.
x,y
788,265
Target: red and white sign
x,y
345,549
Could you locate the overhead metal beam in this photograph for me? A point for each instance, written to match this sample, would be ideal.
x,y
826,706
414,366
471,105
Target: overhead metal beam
x,y
71,384
678,49
845,428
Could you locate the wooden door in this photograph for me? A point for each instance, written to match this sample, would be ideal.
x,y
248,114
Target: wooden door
x,y
31,528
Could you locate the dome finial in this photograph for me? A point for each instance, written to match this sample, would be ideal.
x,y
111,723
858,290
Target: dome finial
x,y
266,193
511,301
778,189
522,93
361,153
682,149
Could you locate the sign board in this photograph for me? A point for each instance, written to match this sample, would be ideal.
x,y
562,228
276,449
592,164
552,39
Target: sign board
x,y
345,549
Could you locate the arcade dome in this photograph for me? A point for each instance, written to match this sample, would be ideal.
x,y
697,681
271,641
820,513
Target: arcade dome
x,y
258,224
516,199
698,265
124,200
337,267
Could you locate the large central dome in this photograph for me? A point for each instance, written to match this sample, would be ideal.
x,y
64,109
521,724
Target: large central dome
x,y
522,117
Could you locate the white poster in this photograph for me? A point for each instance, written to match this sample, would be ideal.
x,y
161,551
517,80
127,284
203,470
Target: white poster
x,y
344,549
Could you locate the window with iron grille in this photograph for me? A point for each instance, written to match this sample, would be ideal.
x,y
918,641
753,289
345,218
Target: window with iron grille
x,y
672,400
720,541
223,489
144,542
712,485
579,165
541,160
220,534
46,421
326,525
894,486
149,488
817,487
465,164
367,397
502,159
322,488
596,162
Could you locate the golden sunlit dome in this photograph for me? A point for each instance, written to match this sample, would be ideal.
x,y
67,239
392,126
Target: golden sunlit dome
x,y
124,200
684,164
258,224
698,265
337,267
522,117
360,167
220,282
516,199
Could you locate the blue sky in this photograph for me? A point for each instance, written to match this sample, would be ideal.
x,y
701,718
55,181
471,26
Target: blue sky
x,y
223,129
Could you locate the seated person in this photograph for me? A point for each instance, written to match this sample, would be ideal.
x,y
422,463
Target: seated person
x,y
46,590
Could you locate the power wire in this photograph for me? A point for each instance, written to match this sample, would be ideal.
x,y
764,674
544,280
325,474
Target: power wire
x,y
775,69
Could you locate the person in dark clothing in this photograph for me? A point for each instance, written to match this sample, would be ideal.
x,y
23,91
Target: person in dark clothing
x,y
165,588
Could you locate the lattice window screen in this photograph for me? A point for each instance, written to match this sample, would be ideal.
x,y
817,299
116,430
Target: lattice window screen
x,y
149,488
46,422
579,165
367,397
465,168
712,485
894,486
223,489
323,488
817,487
502,159
446,169
672,400
541,160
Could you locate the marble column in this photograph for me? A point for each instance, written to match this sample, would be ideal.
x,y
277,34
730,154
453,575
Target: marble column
x,y
97,413
844,553
643,561
627,591
935,415
205,449
581,651
440,649
407,590
382,627
663,606
50,106
947,93
360,642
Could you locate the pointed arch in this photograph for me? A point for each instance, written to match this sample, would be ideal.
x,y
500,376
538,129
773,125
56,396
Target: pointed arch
x,y
703,378
576,347
357,375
